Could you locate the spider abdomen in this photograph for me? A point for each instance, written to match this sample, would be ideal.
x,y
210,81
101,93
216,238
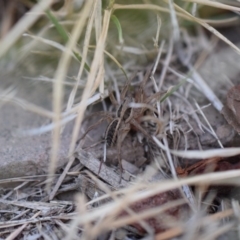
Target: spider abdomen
x,y
111,133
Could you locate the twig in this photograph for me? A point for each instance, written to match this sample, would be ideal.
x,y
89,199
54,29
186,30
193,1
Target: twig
x,y
14,234
106,173
61,178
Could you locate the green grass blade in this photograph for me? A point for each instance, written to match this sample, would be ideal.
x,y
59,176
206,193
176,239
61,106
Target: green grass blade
x,y
63,33
173,89
79,58
61,30
119,28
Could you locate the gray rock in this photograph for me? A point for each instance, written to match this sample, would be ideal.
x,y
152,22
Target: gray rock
x,y
26,155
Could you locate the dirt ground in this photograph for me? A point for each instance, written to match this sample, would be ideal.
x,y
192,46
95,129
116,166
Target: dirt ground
x,y
25,156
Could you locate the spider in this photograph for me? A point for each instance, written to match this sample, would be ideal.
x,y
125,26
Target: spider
x,y
137,112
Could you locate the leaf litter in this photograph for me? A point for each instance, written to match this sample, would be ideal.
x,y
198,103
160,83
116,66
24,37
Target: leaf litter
x,y
134,169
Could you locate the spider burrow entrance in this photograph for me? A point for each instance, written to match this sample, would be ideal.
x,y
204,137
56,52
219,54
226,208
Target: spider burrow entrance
x,y
136,114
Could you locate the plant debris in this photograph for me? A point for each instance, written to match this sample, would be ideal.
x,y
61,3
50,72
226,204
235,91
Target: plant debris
x,y
231,110
137,115
129,176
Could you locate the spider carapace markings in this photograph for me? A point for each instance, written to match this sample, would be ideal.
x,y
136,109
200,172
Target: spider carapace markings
x,y
130,118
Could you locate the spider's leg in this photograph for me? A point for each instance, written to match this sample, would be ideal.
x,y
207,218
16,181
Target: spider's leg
x,y
141,129
123,132
92,127
155,97
124,111
109,138
93,145
100,114
104,156
112,97
146,77
126,87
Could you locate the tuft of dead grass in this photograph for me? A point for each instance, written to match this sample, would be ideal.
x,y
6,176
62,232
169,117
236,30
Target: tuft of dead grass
x,y
156,203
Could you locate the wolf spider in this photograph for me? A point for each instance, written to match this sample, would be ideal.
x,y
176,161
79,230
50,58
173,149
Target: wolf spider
x,y
129,118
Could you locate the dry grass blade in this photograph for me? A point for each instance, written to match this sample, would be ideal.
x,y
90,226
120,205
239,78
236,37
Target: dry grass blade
x,y
6,95
176,231
195,154
45,208
144,7
107,210
208,27
152,189
15,233
223,22
65,117
176,32
51,80
146,214
104,222
227,227
9,224
74,225
25,23
116,61
206,90
182,13
91,78
61,178
51,43
28,49
84,56
46,128
139,138
26,105
156,39
209,125
58,86
106,172
169,234
166,64
215,4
